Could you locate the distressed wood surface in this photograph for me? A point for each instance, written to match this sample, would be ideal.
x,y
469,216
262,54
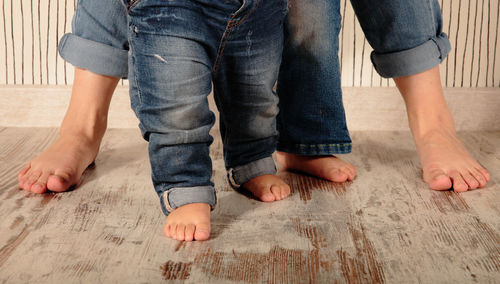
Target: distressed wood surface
x,y
385,227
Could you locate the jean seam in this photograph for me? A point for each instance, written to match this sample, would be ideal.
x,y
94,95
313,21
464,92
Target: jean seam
x,y
227,32
438,48
429,6
131,4
248,14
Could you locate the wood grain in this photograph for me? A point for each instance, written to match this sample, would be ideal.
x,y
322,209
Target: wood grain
x,y
384,227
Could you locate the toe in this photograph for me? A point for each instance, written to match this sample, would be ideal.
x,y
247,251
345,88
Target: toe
x,y
459,185
470,180
180,232
166,229
202,232
23,171
40,186
351,172
276,191
58,183
437,179
337,175
485,173
285,191
32,178
189,233
265,195
172,231
479,177
22,180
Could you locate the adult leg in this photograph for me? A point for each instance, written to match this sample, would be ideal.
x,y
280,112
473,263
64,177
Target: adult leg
x,y
311,121
98,50
408,45
445,161
62,164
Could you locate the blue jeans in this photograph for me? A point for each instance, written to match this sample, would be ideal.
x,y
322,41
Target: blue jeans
x,y
406,36
177,49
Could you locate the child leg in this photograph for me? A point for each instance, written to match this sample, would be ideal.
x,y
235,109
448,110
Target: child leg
x,y
244,77
170,76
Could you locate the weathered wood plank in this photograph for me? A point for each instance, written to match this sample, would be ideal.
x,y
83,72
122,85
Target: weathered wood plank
x,y
386,226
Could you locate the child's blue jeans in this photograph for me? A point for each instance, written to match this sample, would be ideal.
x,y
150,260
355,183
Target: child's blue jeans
x,y
177,49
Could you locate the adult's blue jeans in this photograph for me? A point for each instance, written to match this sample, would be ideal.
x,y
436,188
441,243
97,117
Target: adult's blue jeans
x,y
177,49
406,36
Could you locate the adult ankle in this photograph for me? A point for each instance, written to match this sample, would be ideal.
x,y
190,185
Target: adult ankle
x,y
92,129
425,124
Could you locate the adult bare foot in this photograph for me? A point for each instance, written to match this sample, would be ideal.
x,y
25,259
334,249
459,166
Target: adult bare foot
x,y
326,167
447,164
62,164
267,188
189,222
445,161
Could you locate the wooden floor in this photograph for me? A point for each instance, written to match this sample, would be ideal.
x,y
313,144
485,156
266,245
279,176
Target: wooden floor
x,y
386,226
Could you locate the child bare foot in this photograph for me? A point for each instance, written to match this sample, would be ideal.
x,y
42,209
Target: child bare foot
x,y
326,167
447,164
189,222
267,188
60,166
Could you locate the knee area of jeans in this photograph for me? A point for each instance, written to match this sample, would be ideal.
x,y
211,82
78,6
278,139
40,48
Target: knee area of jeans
x,y
160,114
168,137
313,29
261,125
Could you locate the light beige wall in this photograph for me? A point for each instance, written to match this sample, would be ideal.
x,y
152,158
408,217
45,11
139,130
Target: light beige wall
x,y
30,30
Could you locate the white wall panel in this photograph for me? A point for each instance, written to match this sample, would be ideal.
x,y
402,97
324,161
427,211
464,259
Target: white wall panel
x,y
30,30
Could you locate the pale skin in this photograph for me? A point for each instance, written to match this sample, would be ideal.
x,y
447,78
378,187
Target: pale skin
x,y
445,161
192,221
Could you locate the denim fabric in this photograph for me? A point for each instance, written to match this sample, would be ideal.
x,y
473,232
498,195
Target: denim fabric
x,y
312,119
405,34
98,41
177,49
241,174
406,37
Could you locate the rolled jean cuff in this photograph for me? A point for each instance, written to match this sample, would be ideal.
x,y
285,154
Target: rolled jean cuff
x,y
179,196
94,56
315,149
414,60
241,174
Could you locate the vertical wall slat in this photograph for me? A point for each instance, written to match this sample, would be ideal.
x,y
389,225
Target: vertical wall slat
x,y
495,77
5,68
30,31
